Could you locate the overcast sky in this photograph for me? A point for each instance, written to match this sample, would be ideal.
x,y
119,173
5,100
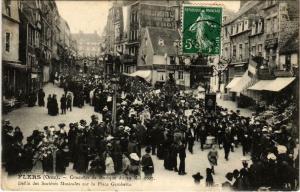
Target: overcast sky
x,y
90,16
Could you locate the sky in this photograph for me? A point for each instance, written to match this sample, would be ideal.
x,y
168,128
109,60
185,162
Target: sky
x,y
91,16
87,16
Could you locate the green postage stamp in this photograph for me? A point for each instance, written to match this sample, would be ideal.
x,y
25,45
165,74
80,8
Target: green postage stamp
x,y
201,29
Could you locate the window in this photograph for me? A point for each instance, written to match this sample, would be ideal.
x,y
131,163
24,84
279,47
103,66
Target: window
x,y
7,41
180,74
161,42
269,26
241,51
259,48
243,27
275,24
253,50
172,60
246,24
260,26
253,28
8,7
161,75
234,51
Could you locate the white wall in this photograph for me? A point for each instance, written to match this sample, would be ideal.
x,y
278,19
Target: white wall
x,y
185,81
160,60
294,59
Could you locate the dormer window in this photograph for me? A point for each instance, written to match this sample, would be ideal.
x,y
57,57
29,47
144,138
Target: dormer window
x,y
161,42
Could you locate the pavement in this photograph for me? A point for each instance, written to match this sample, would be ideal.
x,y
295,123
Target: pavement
x,y
28,118
232,105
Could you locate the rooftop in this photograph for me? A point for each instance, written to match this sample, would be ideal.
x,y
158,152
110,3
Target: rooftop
x,y
169,36
243,10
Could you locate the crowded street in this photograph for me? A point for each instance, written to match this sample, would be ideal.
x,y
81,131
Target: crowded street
x,y
198,159
150,95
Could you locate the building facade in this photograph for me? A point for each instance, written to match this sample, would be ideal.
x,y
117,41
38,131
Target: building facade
x,y
256,37
123,43
12,67
31,33
158,54
89,44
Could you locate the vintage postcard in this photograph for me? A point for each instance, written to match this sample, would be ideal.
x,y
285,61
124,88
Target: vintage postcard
x,y
150,95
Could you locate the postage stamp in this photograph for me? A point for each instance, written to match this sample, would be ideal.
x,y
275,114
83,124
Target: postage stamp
x,y
201,29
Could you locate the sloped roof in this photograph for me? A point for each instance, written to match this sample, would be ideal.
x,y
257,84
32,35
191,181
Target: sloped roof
x,y
243,10
291,45
87,37
169,36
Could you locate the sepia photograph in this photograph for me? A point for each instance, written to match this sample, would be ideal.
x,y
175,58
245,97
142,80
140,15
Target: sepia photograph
x,y
138,95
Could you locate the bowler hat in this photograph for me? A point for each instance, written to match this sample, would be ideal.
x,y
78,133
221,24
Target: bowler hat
x,y
197,177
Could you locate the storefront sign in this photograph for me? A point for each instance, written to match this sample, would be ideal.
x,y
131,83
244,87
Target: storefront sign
x,y
157,16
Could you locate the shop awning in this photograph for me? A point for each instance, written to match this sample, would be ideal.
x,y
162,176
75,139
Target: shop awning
x,y
233,82
145,74
242,83
275,85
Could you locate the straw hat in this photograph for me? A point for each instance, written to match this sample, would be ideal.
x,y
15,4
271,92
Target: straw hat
x,y
134,157
281,149
271,156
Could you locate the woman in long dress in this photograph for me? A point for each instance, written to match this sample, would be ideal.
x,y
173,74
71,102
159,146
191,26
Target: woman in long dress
x,y
213,158
109,165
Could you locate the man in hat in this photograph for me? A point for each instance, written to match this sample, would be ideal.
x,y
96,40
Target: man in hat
x,y
63,104
62,161
147,164
228,183
41,97
227,143
197,177
182,156
72,134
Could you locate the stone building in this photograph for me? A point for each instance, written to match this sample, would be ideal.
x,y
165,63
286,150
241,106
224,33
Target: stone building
x,y
123,43
158,57
88,44
257,34
13,70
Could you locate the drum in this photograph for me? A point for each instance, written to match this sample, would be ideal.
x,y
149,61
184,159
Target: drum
x,y
210,140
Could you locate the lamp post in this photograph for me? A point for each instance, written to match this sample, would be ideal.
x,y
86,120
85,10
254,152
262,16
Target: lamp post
x,y
114,81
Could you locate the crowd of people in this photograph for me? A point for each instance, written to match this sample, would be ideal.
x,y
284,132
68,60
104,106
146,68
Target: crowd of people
x,y
166,122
